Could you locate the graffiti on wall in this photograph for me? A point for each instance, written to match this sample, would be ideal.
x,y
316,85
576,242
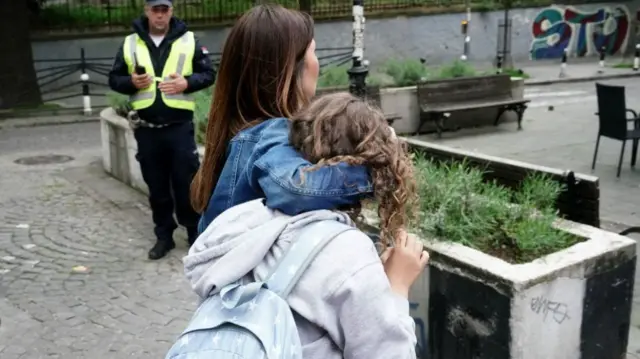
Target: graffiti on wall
x,y
582,33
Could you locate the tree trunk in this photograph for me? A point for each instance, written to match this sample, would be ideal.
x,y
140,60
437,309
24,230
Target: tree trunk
x,y
18,81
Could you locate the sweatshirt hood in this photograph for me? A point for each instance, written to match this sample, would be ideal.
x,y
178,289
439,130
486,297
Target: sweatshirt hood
x,y
242,239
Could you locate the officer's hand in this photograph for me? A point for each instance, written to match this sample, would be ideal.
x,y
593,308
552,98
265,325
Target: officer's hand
x,y
176,85
141,81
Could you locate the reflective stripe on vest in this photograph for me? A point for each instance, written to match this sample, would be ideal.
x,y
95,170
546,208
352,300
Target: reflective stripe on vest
x,y
183,49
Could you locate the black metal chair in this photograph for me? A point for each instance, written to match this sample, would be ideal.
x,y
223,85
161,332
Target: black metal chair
x,y
612,115
630,230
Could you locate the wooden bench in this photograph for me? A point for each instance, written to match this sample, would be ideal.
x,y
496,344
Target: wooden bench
x,y
372,97
437,99
580,202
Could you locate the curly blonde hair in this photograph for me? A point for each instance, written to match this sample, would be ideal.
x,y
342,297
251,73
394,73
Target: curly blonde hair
x,y
340,127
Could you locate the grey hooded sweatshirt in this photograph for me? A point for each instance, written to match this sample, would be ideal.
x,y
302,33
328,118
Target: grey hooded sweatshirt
x,y
343,304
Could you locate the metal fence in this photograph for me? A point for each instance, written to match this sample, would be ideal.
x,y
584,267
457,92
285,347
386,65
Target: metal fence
x,y
114,15
80,84
109,15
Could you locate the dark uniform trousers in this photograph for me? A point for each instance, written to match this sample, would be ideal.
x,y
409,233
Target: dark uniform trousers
x,y
168,160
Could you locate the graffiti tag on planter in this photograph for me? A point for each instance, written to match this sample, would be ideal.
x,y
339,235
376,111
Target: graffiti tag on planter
x,y
559,311
421,346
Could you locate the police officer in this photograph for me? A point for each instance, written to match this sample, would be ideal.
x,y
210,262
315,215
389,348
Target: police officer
x,y
159,66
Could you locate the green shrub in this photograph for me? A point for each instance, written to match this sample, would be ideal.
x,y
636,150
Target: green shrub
x,y
515,225
406,72
516,73
337,76
455,69
118,102
334,76
201,114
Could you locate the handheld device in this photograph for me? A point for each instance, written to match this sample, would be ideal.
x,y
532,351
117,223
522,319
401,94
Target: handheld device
x,y
140,70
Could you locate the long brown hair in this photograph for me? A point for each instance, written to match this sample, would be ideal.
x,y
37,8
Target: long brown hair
x,y
338,128
259,77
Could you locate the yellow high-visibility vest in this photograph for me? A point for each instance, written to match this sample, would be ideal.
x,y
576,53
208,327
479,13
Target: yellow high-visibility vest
x,y
180,61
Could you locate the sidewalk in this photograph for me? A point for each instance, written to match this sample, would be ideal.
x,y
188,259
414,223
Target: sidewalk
x,y
577,70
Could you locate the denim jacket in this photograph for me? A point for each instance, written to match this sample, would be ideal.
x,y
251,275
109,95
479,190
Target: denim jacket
x,y
261,163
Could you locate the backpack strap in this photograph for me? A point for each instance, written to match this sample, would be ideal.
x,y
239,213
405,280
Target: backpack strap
x,y
301,253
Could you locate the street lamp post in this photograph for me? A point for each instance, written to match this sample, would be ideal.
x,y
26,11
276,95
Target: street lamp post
x,y
359,69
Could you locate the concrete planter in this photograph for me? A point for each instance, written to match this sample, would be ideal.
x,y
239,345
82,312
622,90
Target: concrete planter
x,y
404,102
119,148
572,304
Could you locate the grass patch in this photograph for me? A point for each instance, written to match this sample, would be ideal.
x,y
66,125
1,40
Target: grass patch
x,y
623,65
514,225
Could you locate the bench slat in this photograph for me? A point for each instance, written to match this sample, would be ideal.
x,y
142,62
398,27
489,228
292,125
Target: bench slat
x,y
436,98
465,89
470,105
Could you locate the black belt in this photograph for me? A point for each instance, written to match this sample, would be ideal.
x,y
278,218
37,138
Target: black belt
x,y
135,121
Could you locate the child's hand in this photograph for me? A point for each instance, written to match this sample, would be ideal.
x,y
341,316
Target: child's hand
x,y
404,262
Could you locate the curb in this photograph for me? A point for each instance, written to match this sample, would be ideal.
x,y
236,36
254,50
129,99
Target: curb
x,y
579,79
45,121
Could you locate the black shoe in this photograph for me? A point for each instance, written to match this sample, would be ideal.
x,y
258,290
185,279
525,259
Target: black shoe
x,y
160,249
192,235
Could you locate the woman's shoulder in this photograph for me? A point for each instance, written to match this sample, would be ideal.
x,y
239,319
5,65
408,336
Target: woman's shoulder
x,y
268,127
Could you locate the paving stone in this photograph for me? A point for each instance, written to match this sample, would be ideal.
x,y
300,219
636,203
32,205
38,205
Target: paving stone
x,y
53,219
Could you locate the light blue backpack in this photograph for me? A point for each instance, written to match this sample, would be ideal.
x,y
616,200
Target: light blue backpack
x,y
254,321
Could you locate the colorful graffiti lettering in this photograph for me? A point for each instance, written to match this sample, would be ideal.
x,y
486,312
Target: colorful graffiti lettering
x,y
581,33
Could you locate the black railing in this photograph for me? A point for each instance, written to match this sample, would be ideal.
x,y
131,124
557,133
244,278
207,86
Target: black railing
x,y
114,15
118,14
85,77
52,78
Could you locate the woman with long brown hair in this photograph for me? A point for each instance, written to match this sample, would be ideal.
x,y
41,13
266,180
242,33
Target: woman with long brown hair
x,y
268,71
349,303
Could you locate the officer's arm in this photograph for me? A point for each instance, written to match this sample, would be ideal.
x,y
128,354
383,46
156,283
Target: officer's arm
x,y
203,74
119,76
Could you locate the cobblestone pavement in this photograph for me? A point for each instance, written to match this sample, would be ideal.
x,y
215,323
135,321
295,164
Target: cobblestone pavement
x,y
57,217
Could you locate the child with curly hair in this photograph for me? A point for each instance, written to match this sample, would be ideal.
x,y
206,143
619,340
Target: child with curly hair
x,y
350,302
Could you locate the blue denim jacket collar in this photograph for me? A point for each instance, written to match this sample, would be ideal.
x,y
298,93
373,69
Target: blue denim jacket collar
x,y
261,163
